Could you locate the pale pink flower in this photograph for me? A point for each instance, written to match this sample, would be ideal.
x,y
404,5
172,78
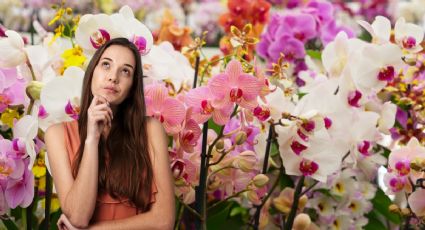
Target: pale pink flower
x,y
201,100
417,202
235,86
169,111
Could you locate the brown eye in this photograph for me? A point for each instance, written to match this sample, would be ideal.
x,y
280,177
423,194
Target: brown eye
x,y
126,72
105,65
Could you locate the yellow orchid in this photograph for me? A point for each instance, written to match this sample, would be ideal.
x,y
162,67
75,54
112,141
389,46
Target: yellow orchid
x,y
54,203
242,38
278,68
73,57
8,116
39,168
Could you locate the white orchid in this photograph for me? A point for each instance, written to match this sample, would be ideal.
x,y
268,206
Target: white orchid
x,y
408,36
178,69
374,65
25,130
380,29
12,52
95,30
61,96
336,54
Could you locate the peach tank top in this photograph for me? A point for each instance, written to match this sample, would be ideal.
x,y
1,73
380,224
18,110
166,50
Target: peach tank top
x,y
107,208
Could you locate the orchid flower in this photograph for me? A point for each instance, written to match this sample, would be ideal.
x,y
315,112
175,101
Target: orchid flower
x,y
234,86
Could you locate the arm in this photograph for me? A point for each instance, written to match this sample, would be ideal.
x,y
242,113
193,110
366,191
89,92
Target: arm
x,y
77,197
161,215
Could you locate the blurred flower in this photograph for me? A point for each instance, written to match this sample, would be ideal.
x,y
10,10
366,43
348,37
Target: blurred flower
x,y
172,33
12,51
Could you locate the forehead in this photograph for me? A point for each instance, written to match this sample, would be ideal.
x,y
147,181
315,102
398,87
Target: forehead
x,y
120,55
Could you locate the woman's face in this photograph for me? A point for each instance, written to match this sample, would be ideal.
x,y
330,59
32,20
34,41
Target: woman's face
x,y
113,75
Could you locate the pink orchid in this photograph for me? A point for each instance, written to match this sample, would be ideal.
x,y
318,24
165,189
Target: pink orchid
x,y
11,165
188,137
12,89
201,100
235,86
417,202
169,111
21,191
399,159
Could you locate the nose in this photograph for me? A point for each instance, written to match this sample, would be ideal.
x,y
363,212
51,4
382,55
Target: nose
x,y
112,78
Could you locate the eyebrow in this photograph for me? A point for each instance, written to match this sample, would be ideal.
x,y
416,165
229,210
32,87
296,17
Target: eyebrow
x,y
113,61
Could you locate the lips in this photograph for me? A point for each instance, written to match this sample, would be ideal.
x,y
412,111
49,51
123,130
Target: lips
x,y
111,89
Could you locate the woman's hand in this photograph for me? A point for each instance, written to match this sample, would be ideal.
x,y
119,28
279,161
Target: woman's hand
x,y
65,224
99,115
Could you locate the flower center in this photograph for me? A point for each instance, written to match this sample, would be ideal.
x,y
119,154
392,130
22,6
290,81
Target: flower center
x,y
397,184
72,110
261,113
386,73
328,122
409,42
99,38
206,107
364,148
297,147
354,98
140,43
308,167
235,94
403,167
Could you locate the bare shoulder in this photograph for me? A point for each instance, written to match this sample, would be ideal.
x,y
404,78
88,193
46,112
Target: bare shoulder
x,y
157,138
54,131
154,127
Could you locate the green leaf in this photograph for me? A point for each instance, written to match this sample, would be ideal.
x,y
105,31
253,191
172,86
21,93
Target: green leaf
x,y
374,222
213,125
10,225
219,218
274,150
381,202
315,54
286,181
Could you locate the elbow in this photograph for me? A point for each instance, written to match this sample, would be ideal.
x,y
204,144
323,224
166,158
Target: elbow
x,y
165,225
79,221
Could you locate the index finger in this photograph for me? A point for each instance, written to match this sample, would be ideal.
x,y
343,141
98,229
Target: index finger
x,y
102,99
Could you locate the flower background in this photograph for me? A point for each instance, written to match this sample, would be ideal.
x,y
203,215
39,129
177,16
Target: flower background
x,y
282,114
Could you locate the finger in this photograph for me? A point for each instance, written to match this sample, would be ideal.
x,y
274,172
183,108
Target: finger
x,y
103,107
94,101
102,99
107,113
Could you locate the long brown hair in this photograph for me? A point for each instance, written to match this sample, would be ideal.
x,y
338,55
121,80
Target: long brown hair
x,y
125,168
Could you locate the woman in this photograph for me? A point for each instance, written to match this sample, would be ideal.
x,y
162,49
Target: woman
x,y
119,175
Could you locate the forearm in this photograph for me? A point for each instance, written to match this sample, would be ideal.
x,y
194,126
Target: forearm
x,y
80,201
148,220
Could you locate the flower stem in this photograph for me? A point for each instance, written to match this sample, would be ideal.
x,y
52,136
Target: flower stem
x,y
200,190
293,212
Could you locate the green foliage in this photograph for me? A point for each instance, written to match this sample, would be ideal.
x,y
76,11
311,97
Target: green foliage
x,y
228,215
315,54
381,202
374,222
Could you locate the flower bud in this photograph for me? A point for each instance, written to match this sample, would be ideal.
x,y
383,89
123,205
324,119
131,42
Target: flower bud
x,y
33,89
219,145
394,208
253,197
260,180
301,222
240,138
245,161
405,211
417,164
